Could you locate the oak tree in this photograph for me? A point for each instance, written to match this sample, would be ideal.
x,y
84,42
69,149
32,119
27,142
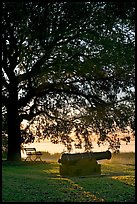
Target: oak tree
x,y
67,67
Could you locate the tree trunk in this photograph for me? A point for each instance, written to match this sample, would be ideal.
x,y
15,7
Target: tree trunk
x,y
14,134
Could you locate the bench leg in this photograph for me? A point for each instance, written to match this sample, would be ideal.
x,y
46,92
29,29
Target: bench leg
x,y
38,157
29,158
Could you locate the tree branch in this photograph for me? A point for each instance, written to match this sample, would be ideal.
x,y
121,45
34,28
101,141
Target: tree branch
x,y
4,83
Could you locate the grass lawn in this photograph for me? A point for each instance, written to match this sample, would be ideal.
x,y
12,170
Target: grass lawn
x,y
41,182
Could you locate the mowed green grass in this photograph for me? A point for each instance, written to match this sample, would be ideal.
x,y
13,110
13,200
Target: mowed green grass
x,y
41,182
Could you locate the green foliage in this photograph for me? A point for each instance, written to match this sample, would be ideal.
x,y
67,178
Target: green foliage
x,y
41,182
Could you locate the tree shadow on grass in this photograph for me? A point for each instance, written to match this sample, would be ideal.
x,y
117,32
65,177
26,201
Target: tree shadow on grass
x,y
113,187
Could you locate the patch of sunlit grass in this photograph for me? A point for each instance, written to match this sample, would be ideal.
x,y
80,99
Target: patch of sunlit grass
x,y
130,180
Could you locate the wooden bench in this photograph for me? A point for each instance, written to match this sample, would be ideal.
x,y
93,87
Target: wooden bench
x,y
32,152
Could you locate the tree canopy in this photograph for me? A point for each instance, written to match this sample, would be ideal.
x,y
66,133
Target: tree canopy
x,y
68,67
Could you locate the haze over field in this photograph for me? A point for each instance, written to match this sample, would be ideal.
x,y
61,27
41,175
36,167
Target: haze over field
x,y
46,145
54,148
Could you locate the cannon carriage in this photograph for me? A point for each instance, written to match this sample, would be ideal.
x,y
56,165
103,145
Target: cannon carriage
x,y
81,164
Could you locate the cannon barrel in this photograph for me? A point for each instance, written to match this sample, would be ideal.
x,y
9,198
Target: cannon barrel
x,y
69,158
102,155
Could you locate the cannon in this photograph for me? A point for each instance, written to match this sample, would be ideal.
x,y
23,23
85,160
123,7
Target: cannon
x,y
81,164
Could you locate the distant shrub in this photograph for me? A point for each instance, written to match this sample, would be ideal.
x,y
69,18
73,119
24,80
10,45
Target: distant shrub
x,y
123,158
48,155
